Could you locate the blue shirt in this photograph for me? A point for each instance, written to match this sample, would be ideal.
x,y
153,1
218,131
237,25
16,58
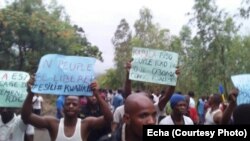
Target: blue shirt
x,y
117,100
59,106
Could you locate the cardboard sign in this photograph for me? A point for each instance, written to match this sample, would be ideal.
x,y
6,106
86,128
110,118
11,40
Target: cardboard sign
x,y
64,75
154,66
13,88
242,82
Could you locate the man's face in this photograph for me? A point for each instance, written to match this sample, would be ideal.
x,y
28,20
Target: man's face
x,y
7,113
145,115
181,107
92,100
71,106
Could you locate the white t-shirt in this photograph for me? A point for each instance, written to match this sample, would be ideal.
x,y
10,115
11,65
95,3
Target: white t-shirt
x,y
191,102
155,98
37,102
209,117
12,131
168,121
30,130
118,114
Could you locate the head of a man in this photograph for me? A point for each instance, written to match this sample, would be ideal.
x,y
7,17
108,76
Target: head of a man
x,y
7,113
215,99
71,106
241,114
139,111
91,100
179,104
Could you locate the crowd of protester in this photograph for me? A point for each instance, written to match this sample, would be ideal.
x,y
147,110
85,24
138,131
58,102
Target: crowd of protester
x,y
118,115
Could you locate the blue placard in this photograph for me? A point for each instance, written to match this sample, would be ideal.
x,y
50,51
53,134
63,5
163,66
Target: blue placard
x,y
242,82
64,75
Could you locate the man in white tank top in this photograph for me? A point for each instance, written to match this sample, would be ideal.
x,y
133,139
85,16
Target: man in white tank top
x,y
69,128
214,114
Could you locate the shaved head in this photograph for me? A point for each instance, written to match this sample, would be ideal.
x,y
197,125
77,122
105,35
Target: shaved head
x,y
139,111
134,101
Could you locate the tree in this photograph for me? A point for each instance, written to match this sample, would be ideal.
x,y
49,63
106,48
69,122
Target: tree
x,y
245,9
215,32
109,80
29,30
121,42
149,35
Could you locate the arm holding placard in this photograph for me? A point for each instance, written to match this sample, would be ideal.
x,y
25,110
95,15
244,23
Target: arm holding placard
x,y
127,85
163,99
99,122
230,108
38,121
168,92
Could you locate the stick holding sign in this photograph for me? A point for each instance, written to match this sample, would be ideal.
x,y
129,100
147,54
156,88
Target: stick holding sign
x,y
154,66
64,75
13,88
242,82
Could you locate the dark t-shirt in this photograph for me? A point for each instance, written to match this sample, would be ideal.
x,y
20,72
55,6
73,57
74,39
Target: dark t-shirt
x,y
94,135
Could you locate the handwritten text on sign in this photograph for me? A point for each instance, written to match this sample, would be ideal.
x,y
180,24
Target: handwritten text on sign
x,y
64,75
154,66
13,88
242,82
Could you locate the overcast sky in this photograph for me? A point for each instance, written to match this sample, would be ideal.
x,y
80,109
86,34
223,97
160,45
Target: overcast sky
x,y
99,18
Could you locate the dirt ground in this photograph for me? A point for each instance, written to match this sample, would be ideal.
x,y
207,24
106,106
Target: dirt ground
x,y
49,108
41,135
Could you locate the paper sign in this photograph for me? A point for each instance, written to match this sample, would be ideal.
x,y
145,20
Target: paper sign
x,y
64,75
13,88
242,82
154,66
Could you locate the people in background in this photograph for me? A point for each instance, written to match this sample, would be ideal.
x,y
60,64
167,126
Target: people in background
x,y
59,106
37,104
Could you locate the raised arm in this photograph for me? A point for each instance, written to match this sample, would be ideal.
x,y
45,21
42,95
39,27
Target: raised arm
x,y
127,85
106,119
168,92
230,108
28,116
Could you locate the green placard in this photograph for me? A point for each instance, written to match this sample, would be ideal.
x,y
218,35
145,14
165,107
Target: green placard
x,y
13,89
155,66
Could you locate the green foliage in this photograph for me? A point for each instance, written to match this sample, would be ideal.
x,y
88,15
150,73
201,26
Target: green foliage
x,y
244,10
121,42
209,54
29,30
147,34
109,80
207,57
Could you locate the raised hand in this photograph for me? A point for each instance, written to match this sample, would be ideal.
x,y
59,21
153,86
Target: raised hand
x,y
94,87
30,83
128,65
233,95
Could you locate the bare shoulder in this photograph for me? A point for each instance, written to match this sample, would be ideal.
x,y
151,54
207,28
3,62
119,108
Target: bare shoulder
x,y
88,121
52,120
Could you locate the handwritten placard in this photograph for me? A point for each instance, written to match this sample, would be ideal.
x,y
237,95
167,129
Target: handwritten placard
x,y
154,66
64,75
242,82
13,88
